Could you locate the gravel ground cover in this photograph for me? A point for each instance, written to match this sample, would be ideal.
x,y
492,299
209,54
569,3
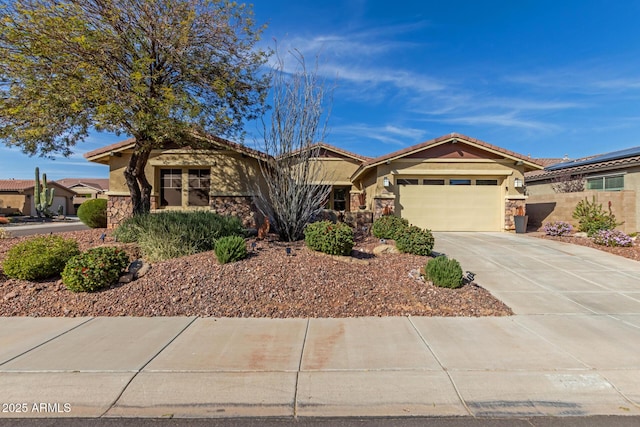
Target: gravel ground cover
x,y
631,252
269,283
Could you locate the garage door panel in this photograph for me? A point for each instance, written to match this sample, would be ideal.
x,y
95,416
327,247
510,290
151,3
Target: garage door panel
x,y
451,207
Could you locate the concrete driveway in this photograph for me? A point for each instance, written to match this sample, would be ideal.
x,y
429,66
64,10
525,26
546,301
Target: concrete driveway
x,y
537,276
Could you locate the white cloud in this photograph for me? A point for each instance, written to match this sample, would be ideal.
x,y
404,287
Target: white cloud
x,y
388,134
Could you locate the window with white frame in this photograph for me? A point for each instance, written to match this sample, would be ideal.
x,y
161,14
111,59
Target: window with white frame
x,y
606,183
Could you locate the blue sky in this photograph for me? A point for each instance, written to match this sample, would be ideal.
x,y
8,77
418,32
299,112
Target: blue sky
x,y
545,78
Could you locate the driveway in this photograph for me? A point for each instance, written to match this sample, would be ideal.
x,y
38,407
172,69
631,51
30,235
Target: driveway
x,y
537,276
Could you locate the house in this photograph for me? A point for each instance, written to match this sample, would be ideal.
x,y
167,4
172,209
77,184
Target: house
x,y
16,197
452,183
86,188
609,177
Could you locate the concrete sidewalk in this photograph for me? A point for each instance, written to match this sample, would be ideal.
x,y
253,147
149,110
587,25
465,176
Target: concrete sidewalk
x,y
562,354
185,367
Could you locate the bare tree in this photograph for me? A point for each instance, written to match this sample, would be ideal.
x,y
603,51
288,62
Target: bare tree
x,y
567,183
296,186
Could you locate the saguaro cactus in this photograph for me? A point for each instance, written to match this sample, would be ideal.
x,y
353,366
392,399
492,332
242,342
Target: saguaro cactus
x,y
43,196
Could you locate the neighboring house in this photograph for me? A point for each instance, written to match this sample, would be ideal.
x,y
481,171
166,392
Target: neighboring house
x,y
451,183
613,177
86,188
16,197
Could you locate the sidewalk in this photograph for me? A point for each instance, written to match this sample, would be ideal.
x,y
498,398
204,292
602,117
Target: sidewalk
x,y
207,367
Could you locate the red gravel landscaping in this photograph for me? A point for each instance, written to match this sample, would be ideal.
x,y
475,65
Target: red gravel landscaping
x,y
269,283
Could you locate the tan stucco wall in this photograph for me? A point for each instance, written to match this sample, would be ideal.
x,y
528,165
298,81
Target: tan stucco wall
x,y
337,171
9,203
232,174
543,208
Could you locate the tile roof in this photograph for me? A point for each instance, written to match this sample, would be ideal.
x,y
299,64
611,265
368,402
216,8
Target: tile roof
x,y
426,144
583,168
16,184
97,183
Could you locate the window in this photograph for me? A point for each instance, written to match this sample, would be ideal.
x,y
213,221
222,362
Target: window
x,y
404,181
486,182
606,183
339,199
433,182
459,182
199,187
170,187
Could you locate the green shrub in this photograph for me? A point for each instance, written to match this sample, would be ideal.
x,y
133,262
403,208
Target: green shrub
x,y
330,238
93,213
94,269
39,258
414,240
388,227
444,272
230,249
592,217
173,234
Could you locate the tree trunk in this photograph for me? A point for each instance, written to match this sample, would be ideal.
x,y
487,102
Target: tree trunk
x,y
139,186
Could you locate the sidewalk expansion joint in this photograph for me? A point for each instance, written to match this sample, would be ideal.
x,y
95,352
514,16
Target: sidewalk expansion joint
x,y
146,364
295,392
446,371
47,341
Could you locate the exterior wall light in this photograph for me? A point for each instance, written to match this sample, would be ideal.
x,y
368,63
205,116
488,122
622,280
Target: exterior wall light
x,y
517,183
385,182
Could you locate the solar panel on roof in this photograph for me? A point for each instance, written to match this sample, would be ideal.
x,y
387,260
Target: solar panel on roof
x,y
614,155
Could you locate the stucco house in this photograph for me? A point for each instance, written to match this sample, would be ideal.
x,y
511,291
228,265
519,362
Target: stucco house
x,y
16,197
86,188
609,177
450,183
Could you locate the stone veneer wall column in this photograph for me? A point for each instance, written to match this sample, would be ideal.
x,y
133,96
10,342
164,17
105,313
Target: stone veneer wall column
x,y
119,208
381,202
511,208
241,206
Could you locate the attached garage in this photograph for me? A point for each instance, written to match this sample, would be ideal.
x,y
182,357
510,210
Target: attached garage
x,y
451,183
452,204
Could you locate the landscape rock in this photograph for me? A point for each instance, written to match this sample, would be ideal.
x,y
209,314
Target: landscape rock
x,y
10,295
126,278
385,249
581,234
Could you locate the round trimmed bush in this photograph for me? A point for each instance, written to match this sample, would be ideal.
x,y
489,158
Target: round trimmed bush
x,y
93,213
444,272
415,240
330,238
612,238
388,227
94,269
557,228
230,249
39,258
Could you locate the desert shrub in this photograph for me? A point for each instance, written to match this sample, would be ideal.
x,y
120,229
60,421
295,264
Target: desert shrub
x,y
388,227
444,272
592,217
230,249
612,238
415,240
93,213
4,234
557,228
39,258
330,238
94,269
173,234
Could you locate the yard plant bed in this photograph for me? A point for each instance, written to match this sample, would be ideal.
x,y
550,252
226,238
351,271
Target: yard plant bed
x,y
631,252
269,283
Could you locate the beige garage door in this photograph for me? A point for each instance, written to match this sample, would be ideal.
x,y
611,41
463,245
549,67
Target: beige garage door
x,y
451,207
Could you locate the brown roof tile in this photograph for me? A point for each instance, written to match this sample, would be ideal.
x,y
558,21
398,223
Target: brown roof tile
x,y
583,169
16,184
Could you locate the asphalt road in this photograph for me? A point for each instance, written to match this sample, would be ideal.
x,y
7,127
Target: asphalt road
x,y
51,227
592,421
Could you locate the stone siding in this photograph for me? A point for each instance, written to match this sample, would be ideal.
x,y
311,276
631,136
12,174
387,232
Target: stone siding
x,y
380,203
513,207
119,208
241,206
